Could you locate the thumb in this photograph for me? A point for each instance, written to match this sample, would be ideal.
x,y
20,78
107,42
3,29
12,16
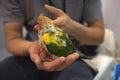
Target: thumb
x,y
57,22
55,11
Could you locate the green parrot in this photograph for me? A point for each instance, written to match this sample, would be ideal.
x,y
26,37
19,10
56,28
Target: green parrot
x,y
53,38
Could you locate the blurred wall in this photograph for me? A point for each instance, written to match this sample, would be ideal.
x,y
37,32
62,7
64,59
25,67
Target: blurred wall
x,y
3,51
111,13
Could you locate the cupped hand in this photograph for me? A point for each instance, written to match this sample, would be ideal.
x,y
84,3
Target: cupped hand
x,y
44,61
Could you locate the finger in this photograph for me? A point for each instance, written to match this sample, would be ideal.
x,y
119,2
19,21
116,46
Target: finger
x,y
34,54
58,22
41,14
45,56
36,59
55,11
69,60
37,62
53,65
72,57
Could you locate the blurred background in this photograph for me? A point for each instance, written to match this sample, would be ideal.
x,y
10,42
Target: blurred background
x,y
3,51
111,14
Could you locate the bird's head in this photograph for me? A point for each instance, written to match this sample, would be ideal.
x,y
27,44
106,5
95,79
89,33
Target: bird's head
x,y
45,23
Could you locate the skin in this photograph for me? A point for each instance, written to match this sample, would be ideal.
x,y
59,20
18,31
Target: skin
x,y
20,47
79,31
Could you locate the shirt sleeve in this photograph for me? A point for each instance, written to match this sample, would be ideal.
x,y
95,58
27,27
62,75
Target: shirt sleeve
x,y
92,10
11,10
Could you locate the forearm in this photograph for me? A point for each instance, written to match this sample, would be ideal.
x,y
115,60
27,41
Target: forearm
x,y
14,38
19,47
87,35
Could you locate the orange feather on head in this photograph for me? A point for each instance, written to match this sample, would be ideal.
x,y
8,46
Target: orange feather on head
x,y
43,20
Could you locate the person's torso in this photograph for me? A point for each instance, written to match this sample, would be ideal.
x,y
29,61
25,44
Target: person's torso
x,y
33,8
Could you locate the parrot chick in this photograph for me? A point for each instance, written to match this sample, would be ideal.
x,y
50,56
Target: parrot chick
x,y
53,38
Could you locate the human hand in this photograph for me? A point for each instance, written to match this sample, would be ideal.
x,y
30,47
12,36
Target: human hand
x,y
62,20
44,61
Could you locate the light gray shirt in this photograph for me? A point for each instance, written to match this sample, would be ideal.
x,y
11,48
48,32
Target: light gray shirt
x,y
29,10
